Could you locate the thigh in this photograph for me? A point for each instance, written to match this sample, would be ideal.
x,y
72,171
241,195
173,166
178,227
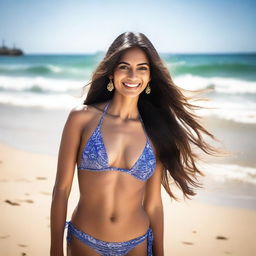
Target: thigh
x,y
78,248
139,250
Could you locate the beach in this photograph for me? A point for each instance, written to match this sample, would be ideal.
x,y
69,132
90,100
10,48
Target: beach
x,y
191,227
37,93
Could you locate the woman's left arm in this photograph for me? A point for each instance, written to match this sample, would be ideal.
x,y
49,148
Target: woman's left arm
x,y
152,204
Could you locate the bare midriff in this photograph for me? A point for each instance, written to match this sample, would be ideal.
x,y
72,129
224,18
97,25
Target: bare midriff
x,y
110,206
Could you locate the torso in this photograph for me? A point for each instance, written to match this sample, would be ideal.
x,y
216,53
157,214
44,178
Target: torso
x,y
110,206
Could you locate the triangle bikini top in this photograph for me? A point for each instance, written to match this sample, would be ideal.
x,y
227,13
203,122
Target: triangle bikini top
x,y
94,156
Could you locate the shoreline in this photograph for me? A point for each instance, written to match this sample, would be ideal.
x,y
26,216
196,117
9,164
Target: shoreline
x,y
190,227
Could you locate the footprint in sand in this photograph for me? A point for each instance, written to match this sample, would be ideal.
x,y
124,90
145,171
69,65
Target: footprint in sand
x,y
188,243
228,252
11,203
194,231
22,245
23,254
4,237
221,238
3,180
41,178
27,201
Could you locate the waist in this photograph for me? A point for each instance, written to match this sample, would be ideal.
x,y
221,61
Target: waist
x,y
107,224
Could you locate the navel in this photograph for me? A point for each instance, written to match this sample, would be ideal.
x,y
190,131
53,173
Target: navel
x,y
113,218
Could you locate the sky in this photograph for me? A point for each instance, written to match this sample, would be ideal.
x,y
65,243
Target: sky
x,y
174,26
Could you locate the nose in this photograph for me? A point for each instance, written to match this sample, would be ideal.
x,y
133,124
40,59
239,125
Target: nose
x,y
132,74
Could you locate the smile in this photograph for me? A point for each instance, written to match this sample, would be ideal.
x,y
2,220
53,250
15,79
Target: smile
x,y
131,85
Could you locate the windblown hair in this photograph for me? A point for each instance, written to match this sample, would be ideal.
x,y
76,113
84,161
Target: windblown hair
x,y
167,115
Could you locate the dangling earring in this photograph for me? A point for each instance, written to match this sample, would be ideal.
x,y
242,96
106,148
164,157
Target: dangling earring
x,y
110,86
148,89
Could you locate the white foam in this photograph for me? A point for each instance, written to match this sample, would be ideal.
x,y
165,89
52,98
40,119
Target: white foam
x,y
244,112
23,90
48,101
54,68
230,172
49,84
220,84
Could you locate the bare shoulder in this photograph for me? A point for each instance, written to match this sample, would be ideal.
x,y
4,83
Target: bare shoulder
x,y
83,114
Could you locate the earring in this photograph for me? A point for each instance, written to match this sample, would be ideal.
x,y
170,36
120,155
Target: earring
x,y
148,89
110,86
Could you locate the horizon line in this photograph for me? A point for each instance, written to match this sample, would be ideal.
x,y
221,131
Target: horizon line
x,y
160,52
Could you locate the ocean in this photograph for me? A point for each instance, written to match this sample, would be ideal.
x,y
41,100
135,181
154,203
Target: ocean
x,y
52,81
38,91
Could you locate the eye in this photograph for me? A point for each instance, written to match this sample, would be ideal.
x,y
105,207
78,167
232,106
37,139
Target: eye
x,y
143,68
123,67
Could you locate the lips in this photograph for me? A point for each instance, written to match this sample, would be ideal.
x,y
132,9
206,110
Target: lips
x,y
131,85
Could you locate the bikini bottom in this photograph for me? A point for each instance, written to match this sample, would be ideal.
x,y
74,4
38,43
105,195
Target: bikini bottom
x,y
110,248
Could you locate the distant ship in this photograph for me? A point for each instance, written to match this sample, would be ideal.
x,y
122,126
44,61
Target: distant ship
x,y
5,51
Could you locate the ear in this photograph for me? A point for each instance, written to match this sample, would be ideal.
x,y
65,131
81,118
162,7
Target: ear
x,y
110,77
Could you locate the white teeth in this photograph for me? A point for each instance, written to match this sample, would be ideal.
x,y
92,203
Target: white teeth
x,y
131,85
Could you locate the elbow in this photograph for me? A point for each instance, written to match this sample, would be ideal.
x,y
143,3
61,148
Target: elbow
x,y
60,192
152,209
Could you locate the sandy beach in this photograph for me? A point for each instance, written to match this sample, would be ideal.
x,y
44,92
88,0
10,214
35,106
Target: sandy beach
x,y
203,45
191,227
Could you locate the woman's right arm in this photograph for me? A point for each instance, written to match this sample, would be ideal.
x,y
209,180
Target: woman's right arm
x,y
67,156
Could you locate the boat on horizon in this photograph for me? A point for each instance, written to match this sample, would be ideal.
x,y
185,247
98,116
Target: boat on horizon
x,y
5,51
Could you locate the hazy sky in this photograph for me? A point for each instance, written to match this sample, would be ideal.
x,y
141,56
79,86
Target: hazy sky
x,y
80,26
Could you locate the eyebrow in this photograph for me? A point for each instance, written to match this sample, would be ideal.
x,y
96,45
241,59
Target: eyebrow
x,y
123,62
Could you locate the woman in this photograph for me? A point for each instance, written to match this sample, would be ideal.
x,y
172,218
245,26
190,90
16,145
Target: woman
x,y
134,132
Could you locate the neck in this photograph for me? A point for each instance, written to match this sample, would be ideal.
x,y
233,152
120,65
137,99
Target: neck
x,y
124,107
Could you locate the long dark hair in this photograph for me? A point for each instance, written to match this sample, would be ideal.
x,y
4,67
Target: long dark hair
x,y
167,115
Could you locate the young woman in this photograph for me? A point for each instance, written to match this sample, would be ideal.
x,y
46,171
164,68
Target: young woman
x,y
134,132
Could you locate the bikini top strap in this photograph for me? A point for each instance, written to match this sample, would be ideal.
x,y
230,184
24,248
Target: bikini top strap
x,y
104,112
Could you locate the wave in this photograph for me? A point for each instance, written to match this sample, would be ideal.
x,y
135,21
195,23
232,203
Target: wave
x,y
231,111
38,84
43,69
218,84
230,172
234,112
190,82
31,68
240,106
46,70
213,68
177,68
231,99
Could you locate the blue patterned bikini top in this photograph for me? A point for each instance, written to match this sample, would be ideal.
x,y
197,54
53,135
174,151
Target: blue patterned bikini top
x,y
94,156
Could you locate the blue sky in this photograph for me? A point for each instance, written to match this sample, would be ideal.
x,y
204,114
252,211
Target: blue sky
x,y
175,26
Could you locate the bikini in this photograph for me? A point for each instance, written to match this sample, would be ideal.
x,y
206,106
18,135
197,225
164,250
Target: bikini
x,y
94,158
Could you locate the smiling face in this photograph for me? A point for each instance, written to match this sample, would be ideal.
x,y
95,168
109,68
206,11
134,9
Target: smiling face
x,y
132,73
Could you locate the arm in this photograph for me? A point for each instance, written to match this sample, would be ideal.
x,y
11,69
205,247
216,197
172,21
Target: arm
x,y
153,206
65,172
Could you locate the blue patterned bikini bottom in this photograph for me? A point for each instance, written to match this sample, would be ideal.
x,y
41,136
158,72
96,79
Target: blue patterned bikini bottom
x,y
110,248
